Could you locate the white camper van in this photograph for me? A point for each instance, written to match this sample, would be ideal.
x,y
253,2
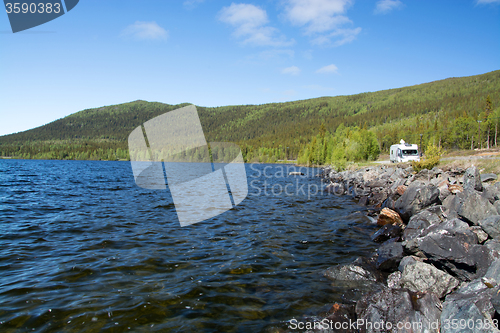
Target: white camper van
x,y
404,152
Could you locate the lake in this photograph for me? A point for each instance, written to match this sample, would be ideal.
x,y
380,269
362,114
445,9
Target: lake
x,y
84,249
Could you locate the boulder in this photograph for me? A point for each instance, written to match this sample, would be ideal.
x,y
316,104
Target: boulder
x,y
377,198
494,246
495,301
472,179
494,271
491,225
452,247
469,304
389,256
490,193
387,232
480,234
361,269
401,189
337,315
369,176
472,207
486,177
454,189
422,277
422,220
408,260
391,306
416,198
388,216
393,280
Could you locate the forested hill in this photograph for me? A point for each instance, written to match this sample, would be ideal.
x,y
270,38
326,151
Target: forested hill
x,y
264,131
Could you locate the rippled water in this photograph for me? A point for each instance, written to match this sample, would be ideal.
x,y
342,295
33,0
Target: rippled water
x,y
83,249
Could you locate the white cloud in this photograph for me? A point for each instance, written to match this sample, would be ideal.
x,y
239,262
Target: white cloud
x,y
385,6
292,70
190,4
145,30
323,20
328,69
250,23
486,2
343,36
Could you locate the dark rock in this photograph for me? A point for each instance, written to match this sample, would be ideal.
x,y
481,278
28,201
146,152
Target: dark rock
x,y
388,231
486,177
494,271
422,220
472,179
494,246
490,193
416,198
389,256
495,301
377,183
451,246
398,306
492,226
337,316
472,207
363,201
422,277
377,198
361,269
470,303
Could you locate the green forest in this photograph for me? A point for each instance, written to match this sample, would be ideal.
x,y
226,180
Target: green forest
x,y
455,113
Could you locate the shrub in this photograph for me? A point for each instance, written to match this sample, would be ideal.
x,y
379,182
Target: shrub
x,y
432,156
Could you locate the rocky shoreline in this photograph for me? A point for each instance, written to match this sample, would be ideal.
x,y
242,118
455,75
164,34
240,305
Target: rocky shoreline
x,y
438,265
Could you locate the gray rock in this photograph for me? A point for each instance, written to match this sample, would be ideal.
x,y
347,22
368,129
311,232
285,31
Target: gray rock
x,y
495,301
491,225
479,232
408,260
472,302
422,277
360,270
396,306
416,198
472,207
490,193
393,280
486,177
389,256
451,246
422,220
472,179
494,271
387,232
464,261
494,246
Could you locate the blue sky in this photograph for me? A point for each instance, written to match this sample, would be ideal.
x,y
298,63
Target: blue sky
x,y
214,53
